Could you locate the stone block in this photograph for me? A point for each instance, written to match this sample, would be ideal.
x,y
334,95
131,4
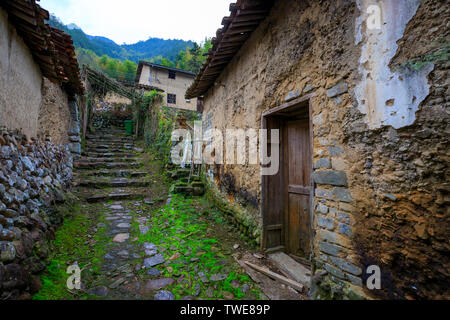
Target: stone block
x,y
335,151
322,193
321,208
339,164
343,217
336,272
323,163
318,120
354,280
345,229
343,195
338,89
292,95
325,223
7,251
329,236
308,88
75,148
331,177
330,249
345,266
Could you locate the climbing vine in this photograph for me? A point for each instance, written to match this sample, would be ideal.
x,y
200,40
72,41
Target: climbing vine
x,y
154,122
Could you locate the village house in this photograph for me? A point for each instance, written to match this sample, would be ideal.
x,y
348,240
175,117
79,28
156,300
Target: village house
x,y
174,82
39,139
39,76
359,91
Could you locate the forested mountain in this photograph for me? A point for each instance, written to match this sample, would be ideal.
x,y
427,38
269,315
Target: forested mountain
x,y
153,47
120,61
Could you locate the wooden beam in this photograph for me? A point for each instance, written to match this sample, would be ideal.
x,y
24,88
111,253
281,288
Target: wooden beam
x,y
291,283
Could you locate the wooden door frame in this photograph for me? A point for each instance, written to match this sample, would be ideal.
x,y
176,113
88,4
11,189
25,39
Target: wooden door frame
x,y
305,101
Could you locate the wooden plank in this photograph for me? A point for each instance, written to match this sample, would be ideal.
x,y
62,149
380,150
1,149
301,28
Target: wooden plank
x,y
290,104
291,283
274,227
299,190
295,270
275,249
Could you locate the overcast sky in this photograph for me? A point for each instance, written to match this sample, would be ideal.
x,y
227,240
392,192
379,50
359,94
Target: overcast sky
x,y
129,21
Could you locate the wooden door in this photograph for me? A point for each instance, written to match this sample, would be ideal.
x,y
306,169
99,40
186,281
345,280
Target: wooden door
x,y
298,170
287,196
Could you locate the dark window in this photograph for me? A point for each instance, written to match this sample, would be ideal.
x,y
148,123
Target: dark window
x,y
172,98
172,75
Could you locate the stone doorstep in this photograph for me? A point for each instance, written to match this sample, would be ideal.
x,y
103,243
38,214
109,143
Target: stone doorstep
x,y
297,271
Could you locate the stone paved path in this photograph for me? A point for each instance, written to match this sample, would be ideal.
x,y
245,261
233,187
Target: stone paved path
x,y
111,175
134,240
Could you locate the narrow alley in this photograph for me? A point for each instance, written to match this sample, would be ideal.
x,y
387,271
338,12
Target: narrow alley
x,y
133,240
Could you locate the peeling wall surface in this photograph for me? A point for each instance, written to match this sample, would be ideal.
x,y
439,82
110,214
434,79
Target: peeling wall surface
x,y
387,97
20,82
380,140
54,113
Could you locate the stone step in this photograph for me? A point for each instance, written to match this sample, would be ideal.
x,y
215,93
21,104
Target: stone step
x,y
115,173
108,138
109,160
106,165
107,154
111,150
115,183
111,194
109,145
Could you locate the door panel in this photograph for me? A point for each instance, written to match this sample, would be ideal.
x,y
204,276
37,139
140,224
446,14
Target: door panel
x,y
298,177
274,204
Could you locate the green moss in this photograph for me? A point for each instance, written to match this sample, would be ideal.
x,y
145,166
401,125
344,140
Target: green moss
x,y
71,245
183,227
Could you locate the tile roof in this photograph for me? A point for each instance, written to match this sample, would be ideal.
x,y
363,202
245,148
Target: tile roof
x,y
51,48
245,17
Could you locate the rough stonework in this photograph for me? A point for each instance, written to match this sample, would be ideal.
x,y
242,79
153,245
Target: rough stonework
x,y
32,177
380,182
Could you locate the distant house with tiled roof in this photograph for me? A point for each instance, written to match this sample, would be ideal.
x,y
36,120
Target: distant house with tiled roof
x,y
173,81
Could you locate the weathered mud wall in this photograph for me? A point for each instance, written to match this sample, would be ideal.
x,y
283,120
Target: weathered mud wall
x,y
32,176
115,99
381,190
54,113
20,82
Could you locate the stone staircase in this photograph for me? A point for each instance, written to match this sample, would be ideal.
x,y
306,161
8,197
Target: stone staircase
x,y
110,168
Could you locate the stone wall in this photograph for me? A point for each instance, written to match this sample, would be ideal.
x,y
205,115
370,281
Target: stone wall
x,y
380,156
20,82
32,177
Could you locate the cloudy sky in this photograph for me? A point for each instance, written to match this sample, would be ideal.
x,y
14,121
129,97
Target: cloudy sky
x,y
129,21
